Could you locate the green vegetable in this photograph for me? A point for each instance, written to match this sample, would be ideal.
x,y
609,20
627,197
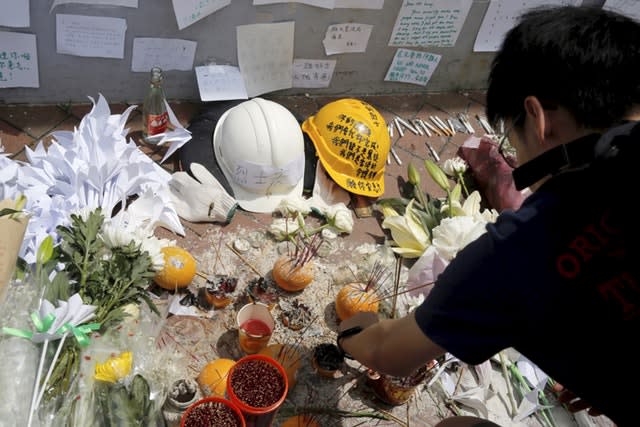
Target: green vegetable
x,y
107,278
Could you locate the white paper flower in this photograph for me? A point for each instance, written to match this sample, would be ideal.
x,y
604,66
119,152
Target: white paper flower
x,y
455,233
293,205
454,166
339,217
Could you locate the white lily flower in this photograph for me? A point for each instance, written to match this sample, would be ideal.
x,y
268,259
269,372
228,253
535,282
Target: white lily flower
x,y
293,205
454,166
407,232
282,228
339,217
471,207
455,233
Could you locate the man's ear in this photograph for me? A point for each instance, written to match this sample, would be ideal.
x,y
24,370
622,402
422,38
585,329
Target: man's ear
x,y
538,120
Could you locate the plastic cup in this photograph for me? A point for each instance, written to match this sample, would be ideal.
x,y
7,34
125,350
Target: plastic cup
x,y
255,326
257,378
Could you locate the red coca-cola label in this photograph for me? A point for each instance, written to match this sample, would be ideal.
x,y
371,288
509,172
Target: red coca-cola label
x,y
157,123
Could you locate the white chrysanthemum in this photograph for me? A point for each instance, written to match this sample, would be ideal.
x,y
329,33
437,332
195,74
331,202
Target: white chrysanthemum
x,y
294,205
455,233
454,166
339,217
153,246
114,236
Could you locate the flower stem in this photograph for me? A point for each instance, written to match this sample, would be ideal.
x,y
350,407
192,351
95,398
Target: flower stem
x,y
462,182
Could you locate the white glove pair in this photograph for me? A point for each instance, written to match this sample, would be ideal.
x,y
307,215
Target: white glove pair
x,y
202,199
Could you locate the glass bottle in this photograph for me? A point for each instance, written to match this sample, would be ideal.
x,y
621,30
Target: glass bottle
x,y
154,111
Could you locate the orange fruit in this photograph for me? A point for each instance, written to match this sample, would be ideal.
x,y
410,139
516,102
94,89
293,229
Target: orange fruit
x,y
179,268
292,278
213,377
355,298
303,420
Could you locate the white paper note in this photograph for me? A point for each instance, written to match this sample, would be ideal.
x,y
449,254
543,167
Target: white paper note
x,y
189,11
14,13
18,60
312,73
346,38
123,3
93,36
220,82
168,54
412,66
429,22
359,4
630,8
265,55
326,4
501,16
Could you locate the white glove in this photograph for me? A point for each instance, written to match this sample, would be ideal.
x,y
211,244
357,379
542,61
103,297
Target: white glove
x,y
202,199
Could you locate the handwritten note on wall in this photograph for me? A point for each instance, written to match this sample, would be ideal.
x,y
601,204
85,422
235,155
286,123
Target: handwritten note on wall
x,y
93,36
312,73
14,13
220,82
501,16
123,3
168,54
429,22
18,60
265,55
346,38
326,4
412,66
189,11
630,8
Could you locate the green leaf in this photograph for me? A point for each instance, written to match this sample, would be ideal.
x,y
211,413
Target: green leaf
x,y
437,174
8,212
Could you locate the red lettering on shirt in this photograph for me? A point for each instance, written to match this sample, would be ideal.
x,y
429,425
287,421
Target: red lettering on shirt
x,y
622,290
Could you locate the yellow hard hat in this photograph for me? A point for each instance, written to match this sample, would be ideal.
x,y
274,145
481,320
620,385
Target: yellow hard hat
x,y
352,142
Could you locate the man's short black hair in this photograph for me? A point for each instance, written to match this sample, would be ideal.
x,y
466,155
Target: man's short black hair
x,y
584,59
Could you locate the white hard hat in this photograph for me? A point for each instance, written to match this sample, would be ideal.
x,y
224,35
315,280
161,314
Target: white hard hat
x,y
260,149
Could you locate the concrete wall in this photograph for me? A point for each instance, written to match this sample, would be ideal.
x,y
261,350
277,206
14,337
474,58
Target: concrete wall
x,y
66,78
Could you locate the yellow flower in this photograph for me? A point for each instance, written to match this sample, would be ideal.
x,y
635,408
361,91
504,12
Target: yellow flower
x,y
115,368
408,233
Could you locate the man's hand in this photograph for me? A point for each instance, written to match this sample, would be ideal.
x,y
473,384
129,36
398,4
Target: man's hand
x,y
362,319
573,402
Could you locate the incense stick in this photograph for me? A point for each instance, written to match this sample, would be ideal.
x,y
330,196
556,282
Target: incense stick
x,y
403,292
232,249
